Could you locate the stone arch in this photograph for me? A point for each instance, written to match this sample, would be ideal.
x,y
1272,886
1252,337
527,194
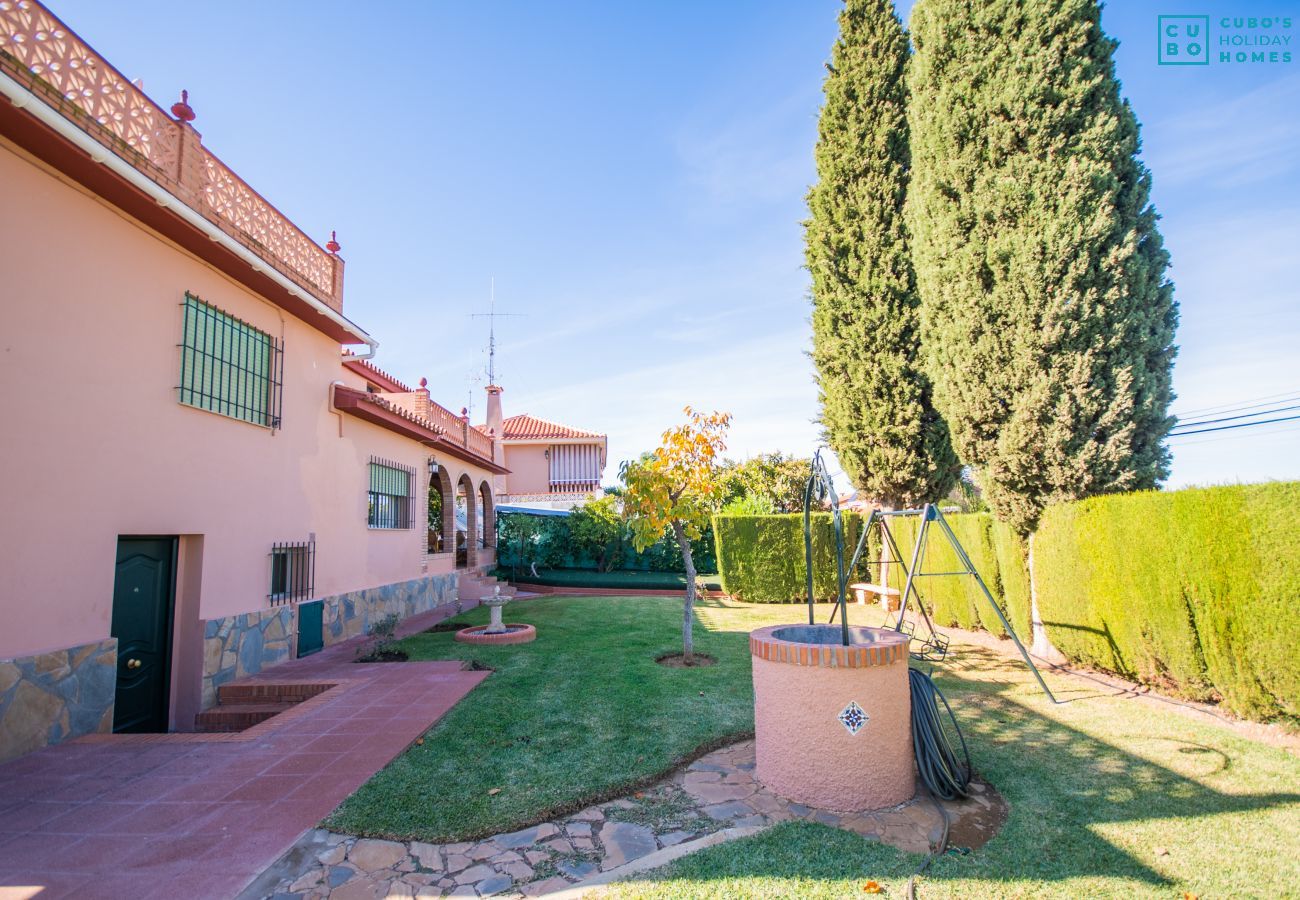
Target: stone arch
x,y
465,488
488,513
442,536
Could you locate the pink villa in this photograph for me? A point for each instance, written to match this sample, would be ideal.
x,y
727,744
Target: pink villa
x,y
205,475
551,466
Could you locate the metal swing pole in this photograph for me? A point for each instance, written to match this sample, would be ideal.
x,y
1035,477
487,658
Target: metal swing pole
x,y
853,565
821,480
970,567
807,541
911,575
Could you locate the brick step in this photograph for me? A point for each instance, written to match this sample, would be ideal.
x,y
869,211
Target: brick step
x,y
238,717
268,692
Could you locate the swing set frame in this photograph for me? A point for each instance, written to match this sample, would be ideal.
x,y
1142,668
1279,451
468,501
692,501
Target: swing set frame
x,y
934,646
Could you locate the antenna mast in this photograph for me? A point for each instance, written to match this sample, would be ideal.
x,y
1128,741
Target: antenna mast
x,y
492,315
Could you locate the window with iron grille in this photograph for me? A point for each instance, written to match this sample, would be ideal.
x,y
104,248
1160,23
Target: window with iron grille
x,y
229,367
390,494
293,571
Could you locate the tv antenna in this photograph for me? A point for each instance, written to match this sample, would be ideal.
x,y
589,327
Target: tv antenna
x,y
492,315
474,378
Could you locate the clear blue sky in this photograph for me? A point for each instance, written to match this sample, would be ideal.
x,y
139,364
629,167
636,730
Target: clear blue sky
x,y
633,176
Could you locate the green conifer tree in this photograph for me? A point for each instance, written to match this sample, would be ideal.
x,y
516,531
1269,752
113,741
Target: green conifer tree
x,y
1047,321
876,408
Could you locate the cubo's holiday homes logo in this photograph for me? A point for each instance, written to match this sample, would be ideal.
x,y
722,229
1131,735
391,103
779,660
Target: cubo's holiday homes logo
x,y
1184,40
1236,40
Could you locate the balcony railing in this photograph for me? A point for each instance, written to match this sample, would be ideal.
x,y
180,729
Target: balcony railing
x,y
447,420
38,50
479,443
458,430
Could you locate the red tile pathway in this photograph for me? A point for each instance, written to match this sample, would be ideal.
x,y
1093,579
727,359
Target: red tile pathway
x,y
200,816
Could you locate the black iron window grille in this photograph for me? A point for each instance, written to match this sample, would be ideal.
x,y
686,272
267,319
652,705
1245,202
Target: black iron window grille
x,y
229,367
390,494
293,572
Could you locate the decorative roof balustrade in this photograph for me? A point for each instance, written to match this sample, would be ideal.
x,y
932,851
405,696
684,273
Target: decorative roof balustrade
x,y
478,443
448,421
43,54
441,430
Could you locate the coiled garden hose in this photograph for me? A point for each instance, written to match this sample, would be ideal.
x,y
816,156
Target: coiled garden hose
x,y
944,775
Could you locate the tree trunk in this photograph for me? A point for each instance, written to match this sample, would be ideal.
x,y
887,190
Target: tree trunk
x,y
1042,645
688,612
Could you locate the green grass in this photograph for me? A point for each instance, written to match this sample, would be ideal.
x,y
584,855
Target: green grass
x,y
623,578
576,716
1097,785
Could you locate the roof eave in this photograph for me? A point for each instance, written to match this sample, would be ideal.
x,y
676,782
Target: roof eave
x,y
354,402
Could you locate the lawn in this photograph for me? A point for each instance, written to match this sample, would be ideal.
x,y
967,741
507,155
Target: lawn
x,y
576,716
1109,796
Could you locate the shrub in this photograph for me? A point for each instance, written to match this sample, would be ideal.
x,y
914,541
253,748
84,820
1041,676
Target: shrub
x,y
588,540
761,558
1193,590
382,645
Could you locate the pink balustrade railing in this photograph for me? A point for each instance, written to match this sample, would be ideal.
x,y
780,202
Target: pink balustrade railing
x,y
478,443
62,69
448,421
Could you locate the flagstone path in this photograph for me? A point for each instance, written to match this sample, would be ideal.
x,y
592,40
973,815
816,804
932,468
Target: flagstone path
x,y
715,792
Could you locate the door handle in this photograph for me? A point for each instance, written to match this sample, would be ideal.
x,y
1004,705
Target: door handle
x,y
133,663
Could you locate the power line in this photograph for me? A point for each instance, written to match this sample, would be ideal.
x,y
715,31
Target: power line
x,y
1235,405
1239,425
1263,412
1258,436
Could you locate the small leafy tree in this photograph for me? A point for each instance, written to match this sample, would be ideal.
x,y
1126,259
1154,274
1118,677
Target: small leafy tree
x,y
597,530
772,479
675,488
749,505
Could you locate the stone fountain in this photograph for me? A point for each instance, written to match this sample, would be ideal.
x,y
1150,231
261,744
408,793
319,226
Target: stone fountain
x,y
497,631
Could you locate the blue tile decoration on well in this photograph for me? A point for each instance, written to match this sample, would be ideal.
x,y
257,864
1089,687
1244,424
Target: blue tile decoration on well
x,y
853,717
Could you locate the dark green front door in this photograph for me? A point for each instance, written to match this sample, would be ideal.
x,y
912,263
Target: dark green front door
x,y
143,593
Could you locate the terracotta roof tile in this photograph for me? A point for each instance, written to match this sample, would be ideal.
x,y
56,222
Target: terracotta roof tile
x,y
524,427
366,369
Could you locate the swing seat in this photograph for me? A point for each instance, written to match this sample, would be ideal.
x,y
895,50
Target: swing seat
x,y
931,649
888,596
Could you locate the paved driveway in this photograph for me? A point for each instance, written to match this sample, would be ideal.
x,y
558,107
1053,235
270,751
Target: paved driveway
x,y
199,816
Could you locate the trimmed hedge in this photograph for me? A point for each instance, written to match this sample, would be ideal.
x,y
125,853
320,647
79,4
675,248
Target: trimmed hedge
x,y
760,558
1012,555
1195,590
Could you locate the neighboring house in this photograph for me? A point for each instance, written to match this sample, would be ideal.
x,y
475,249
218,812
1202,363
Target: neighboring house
x,y
551,466
198,481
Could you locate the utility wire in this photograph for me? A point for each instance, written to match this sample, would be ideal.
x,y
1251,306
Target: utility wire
x,y
1257,436
1262,412
1239,425
1284,397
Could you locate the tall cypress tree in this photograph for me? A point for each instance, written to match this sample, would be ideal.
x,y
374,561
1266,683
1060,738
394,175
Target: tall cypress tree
x,y
1047,320
876,408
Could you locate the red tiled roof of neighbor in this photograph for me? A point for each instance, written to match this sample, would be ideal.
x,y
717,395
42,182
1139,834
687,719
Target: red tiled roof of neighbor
x,y
524,427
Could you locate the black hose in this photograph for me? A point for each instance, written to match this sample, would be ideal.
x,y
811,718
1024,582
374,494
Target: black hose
x,y
941,771
943,774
